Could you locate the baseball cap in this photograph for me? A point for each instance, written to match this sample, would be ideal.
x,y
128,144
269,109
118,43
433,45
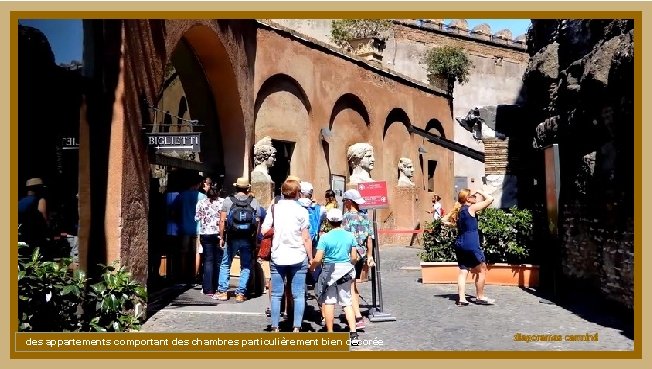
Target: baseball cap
x,y
306,188
354,196
334,215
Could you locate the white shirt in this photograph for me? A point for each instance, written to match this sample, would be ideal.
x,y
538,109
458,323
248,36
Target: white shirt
x,y
436,210
290,219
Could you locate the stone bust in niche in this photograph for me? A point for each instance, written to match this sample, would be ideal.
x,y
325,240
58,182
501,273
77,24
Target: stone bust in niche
x,y
405,172
361,159
264,158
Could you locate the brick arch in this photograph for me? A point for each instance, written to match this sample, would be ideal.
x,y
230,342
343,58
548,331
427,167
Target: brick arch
x,y
397,143
349,123
282,111
396,115
436,126
281,82
349,101
217,61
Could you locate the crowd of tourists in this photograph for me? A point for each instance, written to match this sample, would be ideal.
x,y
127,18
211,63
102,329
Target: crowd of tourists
x,y
324,246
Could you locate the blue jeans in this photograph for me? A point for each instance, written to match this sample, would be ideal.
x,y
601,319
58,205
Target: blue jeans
x,y
212,260
245,246
296,275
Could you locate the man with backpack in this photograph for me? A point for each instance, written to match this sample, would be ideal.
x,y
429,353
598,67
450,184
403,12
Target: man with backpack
x,y
239,222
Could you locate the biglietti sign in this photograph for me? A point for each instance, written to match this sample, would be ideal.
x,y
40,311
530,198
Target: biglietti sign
x,y
69,143
174,141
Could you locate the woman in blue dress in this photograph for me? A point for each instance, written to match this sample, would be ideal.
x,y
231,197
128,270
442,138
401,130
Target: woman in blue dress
x,y
470,257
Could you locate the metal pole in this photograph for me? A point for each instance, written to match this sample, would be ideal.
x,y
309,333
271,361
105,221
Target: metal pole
x,y
374,290
377,314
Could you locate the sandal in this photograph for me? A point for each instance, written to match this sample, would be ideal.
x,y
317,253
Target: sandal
x,y
462,303
485,301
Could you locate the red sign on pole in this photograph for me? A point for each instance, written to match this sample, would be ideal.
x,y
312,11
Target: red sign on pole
x,y
374,194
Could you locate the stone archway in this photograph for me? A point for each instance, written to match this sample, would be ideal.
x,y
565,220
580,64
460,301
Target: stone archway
x,y
397,143
283,112
212,56
349,123
125,61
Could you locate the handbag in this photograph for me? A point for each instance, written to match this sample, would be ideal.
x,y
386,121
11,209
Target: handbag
x,y
265,250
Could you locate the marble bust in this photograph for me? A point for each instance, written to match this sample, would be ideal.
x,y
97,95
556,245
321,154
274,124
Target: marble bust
x,y
264,158
361,159
405,172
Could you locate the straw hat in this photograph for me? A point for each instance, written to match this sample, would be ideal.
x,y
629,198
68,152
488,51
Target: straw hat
x,y
241,183
34,182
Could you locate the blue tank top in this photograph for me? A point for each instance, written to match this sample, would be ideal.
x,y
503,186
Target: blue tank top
x,y
468,237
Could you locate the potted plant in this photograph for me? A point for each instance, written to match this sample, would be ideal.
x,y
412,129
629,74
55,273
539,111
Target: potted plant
x,y
506,238
363,37
445,65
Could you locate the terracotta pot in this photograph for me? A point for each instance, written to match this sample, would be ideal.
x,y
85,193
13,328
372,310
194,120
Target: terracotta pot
x,y
440,82
524,275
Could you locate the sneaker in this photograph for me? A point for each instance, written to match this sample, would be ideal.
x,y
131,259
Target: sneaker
x,y
240,298
354,339
359,323
221,296
485,301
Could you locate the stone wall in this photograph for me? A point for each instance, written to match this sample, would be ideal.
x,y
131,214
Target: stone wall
x,y
499,65
303,85
580,95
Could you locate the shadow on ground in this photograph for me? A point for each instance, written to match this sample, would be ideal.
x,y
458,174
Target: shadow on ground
x,y
590,308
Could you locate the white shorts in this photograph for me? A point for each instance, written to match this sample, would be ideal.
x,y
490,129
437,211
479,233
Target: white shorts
x,y
338,293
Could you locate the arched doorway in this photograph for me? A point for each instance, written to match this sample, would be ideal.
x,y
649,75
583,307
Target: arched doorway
x,y
349,123
199,94
282,111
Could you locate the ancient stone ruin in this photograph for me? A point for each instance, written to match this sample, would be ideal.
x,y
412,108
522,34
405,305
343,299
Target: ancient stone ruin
x,y
580,87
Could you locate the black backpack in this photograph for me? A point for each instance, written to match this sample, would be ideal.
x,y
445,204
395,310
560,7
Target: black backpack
x,y
241,220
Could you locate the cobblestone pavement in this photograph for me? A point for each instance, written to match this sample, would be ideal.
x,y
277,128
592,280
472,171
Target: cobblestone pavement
x,y
426,316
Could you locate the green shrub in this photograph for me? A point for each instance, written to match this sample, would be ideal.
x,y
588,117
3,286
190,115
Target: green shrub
x,y
438,242
344,30
49,295
450,62
506,237
113,301
52,298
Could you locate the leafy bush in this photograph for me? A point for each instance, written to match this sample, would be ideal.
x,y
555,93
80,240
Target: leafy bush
x,y
113,301
344,30
505,236
52,298
49,295
448,61
438,242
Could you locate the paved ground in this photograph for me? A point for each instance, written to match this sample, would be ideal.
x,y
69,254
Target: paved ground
x,y
426,316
